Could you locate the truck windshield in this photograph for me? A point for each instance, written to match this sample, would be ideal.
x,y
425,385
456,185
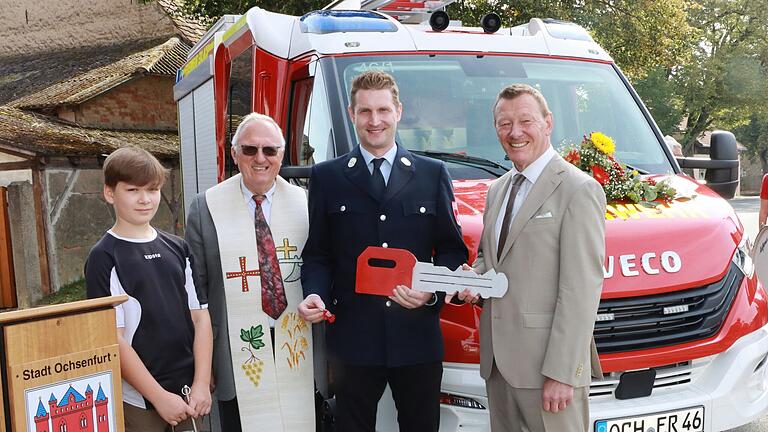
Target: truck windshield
x,y
448,100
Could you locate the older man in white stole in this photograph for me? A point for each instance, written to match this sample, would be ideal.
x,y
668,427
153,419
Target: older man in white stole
x,y
262,361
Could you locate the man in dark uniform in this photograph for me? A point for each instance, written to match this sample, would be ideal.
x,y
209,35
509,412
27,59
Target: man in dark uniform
x,y
379,195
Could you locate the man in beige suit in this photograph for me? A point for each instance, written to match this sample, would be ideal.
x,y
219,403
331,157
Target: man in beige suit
x,y
535,342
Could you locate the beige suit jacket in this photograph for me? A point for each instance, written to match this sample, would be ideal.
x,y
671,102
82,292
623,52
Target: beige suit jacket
x,y
553,259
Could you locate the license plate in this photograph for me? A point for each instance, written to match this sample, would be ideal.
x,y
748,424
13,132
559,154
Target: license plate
x,y
684,420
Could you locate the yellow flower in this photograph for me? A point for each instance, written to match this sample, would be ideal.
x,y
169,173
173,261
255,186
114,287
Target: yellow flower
x,y
603,142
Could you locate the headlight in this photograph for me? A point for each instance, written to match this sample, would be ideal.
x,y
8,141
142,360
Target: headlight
x,y
741,257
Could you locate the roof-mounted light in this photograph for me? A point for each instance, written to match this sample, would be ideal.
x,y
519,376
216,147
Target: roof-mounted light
x,y
338,21
566,30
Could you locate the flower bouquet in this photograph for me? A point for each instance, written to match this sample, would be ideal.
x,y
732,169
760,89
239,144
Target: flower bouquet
x,y
595,157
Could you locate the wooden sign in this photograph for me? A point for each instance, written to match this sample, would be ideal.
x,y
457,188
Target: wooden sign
x,y
62,368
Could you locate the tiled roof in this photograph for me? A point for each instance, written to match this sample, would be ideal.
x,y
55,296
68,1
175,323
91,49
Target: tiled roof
x,y
41,411
23,75
100,395
65,399
190,28
162,60
47,136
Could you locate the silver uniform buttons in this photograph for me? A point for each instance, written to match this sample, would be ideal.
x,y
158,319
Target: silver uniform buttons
x,y
388,303
383,217
343,208
422,210
384,245
335,301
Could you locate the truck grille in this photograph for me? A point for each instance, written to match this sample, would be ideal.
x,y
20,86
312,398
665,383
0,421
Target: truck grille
x,y
667,377
636,323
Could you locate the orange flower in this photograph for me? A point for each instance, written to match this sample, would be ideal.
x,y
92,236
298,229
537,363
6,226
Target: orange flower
x,y
599,174
573,157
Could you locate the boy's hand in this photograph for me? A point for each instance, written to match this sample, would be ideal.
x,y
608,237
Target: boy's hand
x,y
172,408
200,400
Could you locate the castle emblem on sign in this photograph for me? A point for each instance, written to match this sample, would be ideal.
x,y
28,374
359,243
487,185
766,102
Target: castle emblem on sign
x,y
74,412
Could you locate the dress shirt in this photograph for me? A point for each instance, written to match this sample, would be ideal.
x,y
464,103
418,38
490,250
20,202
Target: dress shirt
x,y
266,205
386,166
531,174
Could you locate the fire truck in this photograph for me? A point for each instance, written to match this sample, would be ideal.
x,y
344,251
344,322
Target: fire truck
x,y
681,326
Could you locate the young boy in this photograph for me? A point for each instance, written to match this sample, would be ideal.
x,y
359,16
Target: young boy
x,y
164,333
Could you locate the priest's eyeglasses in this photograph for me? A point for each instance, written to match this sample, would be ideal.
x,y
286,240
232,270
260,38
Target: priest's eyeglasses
x,y
269,151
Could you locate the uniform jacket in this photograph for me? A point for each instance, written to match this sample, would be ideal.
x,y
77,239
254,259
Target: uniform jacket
x,y
553,259
416,213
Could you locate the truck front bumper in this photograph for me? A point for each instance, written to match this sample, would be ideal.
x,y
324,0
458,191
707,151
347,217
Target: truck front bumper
x,y
731,386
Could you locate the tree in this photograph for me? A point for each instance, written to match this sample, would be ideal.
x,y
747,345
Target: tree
x,y
211,10
638,34
723,84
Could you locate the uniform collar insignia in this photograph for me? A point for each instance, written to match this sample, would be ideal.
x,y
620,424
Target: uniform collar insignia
x,y
404,160
352,162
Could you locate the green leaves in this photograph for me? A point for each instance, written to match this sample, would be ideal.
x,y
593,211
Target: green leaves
x,y
252,336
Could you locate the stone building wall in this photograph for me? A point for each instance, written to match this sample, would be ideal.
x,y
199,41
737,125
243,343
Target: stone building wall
x,y
146,103
78,216
30,26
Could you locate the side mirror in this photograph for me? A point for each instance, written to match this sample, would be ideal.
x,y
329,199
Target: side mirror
x,y
723,180
722,174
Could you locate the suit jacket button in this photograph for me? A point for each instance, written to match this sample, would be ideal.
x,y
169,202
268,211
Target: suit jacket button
x,y
384,245
388,303
383,217
343,208
422,210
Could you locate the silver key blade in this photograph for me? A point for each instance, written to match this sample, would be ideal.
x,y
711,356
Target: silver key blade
x,y
430,278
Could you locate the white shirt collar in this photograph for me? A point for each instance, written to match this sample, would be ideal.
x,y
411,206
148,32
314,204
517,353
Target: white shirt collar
x,y
248,195
534,170
389,156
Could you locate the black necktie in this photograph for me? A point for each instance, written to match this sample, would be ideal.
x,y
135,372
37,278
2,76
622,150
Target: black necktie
x,y
517,181
377,179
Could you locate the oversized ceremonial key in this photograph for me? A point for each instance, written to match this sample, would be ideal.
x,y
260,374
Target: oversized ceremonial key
x,y
380,270
186,391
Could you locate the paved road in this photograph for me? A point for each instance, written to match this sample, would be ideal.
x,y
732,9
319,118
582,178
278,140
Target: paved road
x,y
747,208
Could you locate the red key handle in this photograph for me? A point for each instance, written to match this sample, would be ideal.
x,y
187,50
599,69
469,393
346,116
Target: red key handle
x,y
380,270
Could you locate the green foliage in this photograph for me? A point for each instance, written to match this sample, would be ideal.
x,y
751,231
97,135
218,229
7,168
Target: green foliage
x,y
639,34
252,336
211,10
658,92
68,293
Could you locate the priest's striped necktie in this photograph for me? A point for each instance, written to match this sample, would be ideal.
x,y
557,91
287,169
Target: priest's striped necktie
x,y
273,300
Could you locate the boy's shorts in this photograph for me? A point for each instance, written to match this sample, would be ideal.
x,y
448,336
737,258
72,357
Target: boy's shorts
x,y
148,420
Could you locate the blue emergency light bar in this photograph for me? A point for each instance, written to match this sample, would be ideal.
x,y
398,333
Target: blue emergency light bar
x,y
339,21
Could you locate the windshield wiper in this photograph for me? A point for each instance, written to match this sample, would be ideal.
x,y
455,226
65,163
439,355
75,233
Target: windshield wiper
x,y
639,170
462,159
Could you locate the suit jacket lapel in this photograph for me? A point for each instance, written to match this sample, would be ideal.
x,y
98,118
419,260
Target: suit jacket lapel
x,y
546,184
357,171
401,174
